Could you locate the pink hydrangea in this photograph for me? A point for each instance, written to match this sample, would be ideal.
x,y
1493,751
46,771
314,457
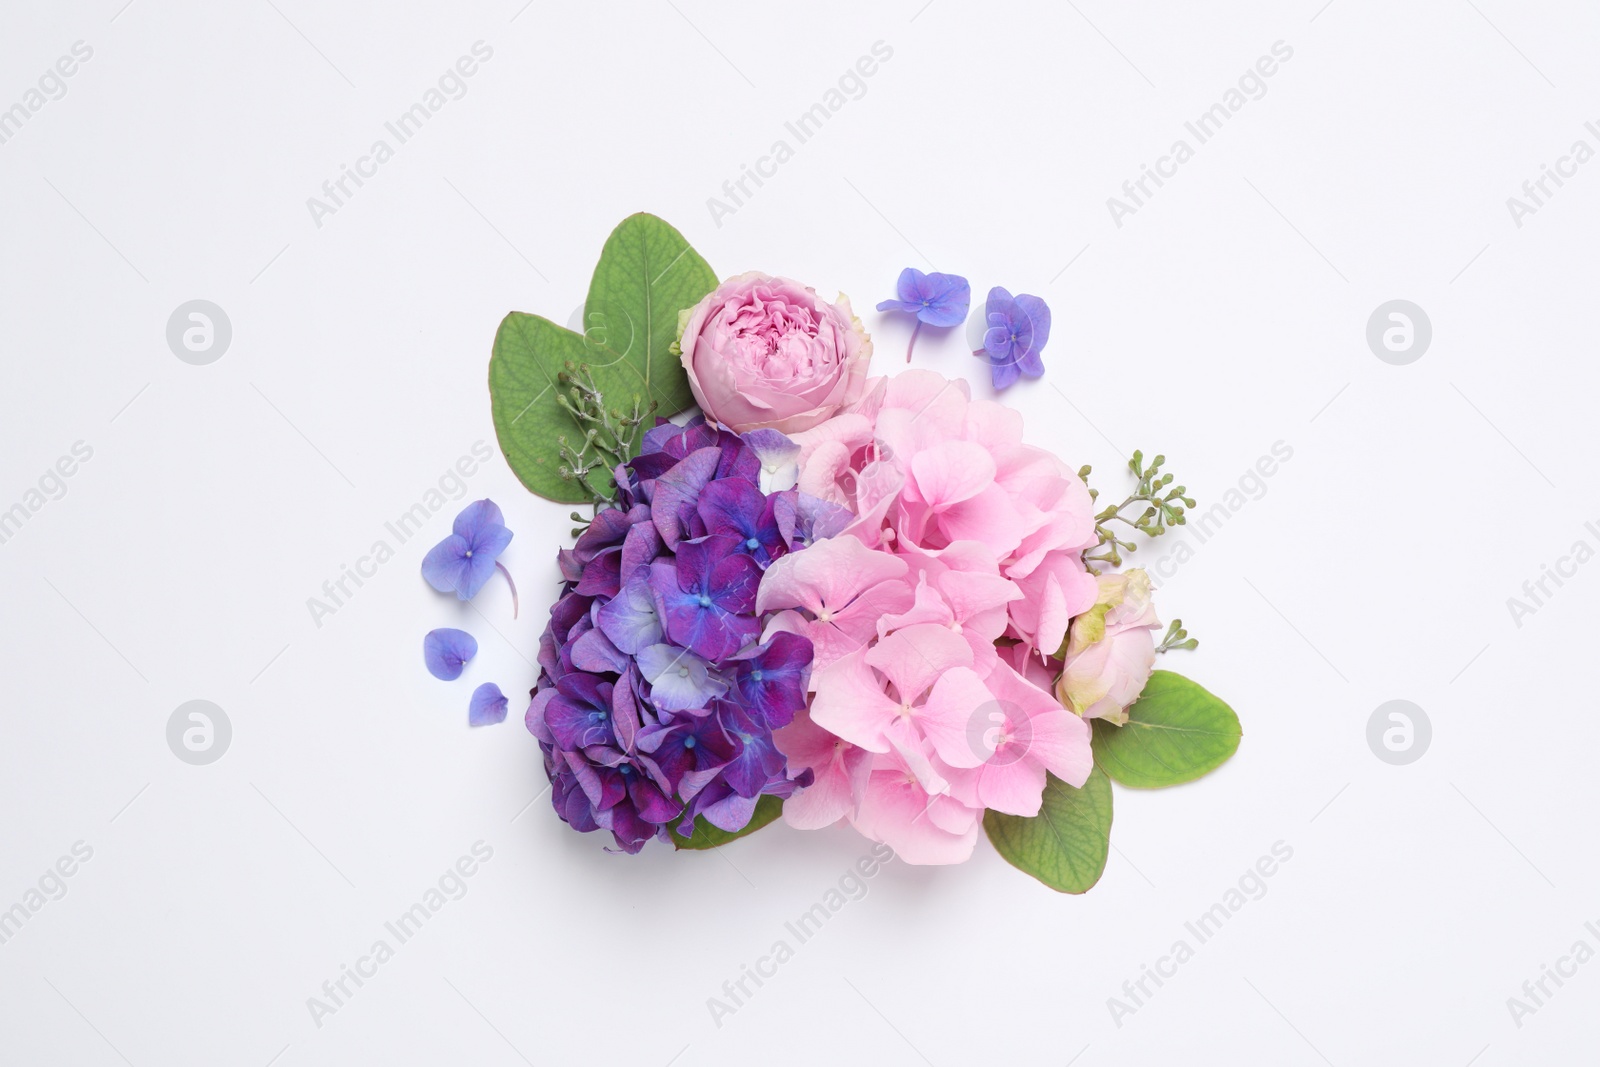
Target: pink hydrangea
x,y
964,536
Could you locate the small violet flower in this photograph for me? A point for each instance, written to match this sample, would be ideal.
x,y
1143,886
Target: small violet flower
x,y
488,706
935,299
468,558
446,651
1019,326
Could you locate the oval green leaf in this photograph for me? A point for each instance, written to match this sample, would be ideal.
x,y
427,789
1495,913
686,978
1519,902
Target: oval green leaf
x,y
1176,732
1065,845
768,808
529,354
647,274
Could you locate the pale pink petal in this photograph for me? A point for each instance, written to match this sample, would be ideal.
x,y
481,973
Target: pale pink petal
x,y
970,594
850,702
928,607
821,472
955,716
851,430
952,816
825,577
995,426
908,744
1015,788
1075,592
1061,743
913,657
874,491
950,472
831,797
990,517
894,811
858,622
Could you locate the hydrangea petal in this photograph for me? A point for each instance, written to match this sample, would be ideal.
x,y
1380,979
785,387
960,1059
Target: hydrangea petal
x,y
679,679
487,707
445,651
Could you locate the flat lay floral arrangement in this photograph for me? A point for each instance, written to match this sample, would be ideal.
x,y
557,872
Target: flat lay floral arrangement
x,y
799,593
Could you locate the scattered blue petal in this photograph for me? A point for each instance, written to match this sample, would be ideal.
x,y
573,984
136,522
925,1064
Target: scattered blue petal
x,y
1019,326
465,560
488,706
936,299
446,651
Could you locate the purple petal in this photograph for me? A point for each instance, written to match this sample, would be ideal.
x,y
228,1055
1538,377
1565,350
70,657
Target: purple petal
x,y
946,298
910,286
533,718
606,530
488,706
445,651
446,564
477,515
734,581
642,546
731,812
678,441
595,653
579,715
624,715
1000,302
732,506
1037,315
630,619
479,568
771,679
679,680
778,456
602,575
677,490
997,344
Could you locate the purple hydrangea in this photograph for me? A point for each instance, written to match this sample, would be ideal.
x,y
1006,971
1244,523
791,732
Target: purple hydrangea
x,y
657,697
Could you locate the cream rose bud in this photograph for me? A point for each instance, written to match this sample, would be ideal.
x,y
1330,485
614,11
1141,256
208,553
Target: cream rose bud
x,y
1111,649
764,352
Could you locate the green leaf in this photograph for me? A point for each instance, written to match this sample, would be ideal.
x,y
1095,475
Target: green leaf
x,y
529,353
1065,845
706,836
1176,732
647,273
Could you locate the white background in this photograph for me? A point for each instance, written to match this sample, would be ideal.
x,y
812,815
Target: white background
x,y
1227,314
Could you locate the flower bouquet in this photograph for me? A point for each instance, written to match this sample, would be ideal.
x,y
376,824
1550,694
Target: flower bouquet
x,y
824,597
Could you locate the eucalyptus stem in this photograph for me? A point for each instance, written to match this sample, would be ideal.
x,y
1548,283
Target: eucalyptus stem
x,y
610,436
1163,509
1177,637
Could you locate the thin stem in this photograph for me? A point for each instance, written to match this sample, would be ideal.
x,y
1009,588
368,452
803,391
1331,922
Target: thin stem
x,y
913,342
515,607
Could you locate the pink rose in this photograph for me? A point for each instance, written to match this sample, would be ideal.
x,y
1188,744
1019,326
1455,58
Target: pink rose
x,y
765,352
1111,649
